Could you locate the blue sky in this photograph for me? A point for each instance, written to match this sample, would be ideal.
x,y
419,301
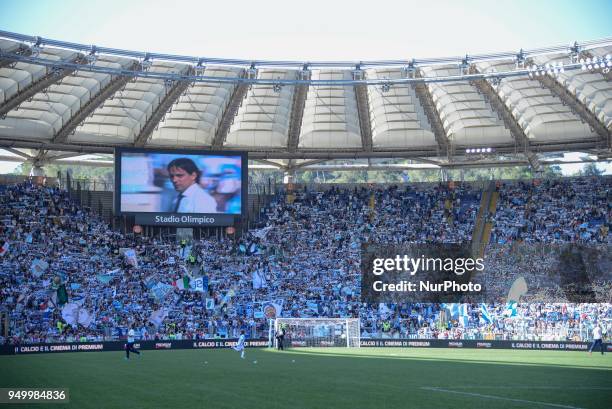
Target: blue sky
x,y
312,30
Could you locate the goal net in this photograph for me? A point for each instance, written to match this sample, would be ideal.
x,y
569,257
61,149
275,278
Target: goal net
x,y
316,332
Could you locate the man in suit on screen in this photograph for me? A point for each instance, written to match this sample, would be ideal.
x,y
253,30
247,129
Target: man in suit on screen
x,y
191,198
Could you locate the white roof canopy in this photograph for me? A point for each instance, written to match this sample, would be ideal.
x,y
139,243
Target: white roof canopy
x,y
100,103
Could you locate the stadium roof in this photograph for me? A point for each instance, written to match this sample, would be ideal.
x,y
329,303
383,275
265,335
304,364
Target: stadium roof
x,y
69,98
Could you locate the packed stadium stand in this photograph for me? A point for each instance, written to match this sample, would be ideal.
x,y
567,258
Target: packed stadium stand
x,y
305,256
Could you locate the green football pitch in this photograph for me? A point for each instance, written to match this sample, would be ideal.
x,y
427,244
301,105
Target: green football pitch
x,y
380,378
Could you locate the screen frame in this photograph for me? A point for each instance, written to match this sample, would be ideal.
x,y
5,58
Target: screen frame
x,y
120,151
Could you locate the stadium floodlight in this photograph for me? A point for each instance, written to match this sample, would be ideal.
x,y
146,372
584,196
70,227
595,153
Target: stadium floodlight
x,y
35,50
465,64
168,83
595,63
385,87
574,52
36,47
277,87
251,73
200,68
146,62
495,81
520,59
92,57
553,69
479,151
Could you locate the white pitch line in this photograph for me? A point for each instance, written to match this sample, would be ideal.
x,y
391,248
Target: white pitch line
x,y
577,388
555,405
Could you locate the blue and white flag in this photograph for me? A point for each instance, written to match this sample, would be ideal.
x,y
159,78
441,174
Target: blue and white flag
x,y
130,256
38,267
210,303
259,280
185,252
484,313
511,309
117,305
161,290
199,284
262,233
455,310
157,317
312,306
458,312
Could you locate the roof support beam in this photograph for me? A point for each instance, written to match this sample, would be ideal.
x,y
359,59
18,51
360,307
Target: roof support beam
x,y
101,164
23,50
308,163
426,100
363,110
297,112
577,107
63,156
55,75
19,153
170,99
268,162
5,158
115,85
101,147
227,119
501,108
427,161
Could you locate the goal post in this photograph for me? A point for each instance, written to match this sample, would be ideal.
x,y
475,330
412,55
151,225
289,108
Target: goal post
x,y
316,332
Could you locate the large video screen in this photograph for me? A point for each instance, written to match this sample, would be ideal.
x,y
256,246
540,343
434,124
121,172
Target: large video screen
x,y
180,187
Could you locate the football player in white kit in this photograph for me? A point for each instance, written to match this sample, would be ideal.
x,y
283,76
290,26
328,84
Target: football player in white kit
x,y
240,345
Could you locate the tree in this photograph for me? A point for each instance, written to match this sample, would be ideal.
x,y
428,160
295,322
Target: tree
x,y
98,173
591,169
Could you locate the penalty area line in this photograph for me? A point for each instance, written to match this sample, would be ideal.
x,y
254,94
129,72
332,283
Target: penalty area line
x,y
577,388
479,395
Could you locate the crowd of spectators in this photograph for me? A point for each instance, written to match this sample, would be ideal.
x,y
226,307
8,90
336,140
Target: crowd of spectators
x,y
304,261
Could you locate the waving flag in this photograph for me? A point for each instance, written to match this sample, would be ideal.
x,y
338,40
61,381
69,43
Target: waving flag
x,y
210,303
511,309
38,267
199,284
262,233
4,246
458,312
183,283
74,314
484,313
259,280
157,317
104,278
130,256
161,290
